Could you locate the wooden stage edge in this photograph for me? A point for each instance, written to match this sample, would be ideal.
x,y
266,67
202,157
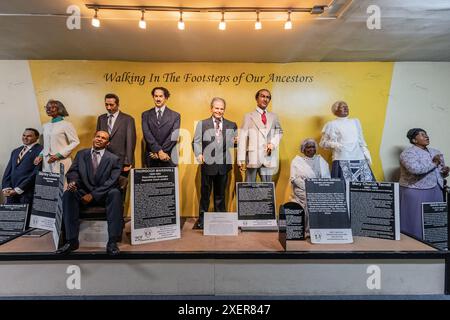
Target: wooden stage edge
x,y
248,241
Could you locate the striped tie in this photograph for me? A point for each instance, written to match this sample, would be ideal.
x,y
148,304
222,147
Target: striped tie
x,y
21,154
95,162
110,123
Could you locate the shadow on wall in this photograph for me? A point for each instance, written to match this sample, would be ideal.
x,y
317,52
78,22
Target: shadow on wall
x,y
90,122
393,174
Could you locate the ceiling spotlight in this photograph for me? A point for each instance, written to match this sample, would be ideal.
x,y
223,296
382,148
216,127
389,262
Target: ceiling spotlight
x,y
95,22
288,23
258,25
181,22
222,24
142,23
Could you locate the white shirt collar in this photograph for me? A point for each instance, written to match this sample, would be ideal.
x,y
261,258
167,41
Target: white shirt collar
x,y
162,109
115,114
30,145
261,111
102,152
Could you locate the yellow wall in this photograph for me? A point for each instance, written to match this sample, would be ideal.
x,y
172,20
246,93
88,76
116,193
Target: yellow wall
x,y
303,107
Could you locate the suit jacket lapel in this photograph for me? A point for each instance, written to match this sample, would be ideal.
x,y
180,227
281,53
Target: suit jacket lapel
x,y
117,124
90,169
256,117
104,122
152,117
270,118
27,154
208,124
16,156
165,116
101,165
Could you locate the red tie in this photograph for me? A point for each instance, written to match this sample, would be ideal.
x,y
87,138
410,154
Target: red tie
x,y
263,117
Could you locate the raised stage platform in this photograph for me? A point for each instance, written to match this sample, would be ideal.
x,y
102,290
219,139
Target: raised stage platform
x,y
250,264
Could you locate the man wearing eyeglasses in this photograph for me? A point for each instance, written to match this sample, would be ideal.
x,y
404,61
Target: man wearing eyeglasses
x,y
259,138
122,131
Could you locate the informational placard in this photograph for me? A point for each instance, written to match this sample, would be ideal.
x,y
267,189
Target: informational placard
x,y
155,210
375,209
56,232
13,219
256,205
220,224
47,202
329,220
295,220
435,224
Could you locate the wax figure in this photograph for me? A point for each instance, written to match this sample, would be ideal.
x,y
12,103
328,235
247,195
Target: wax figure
x,y
20,173
60,138
160,126
344,136
213,138
422,170
122,132
308,166
93,180
259,138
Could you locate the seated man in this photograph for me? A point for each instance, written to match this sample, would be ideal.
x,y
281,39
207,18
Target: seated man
x,y
93,180
20,173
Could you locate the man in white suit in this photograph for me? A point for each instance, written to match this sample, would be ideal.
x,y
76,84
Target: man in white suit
x,y
259,138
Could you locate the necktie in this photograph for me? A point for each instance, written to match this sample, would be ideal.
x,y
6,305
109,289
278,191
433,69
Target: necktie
x,y
95,157
21,154
263,117
110,117
158,116
218,131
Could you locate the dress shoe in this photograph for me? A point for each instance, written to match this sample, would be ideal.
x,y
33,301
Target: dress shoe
x,y
112,249
68,247
198,225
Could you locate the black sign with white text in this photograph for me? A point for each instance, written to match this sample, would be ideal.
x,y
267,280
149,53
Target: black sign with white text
x,y
13,219
435,224
374,209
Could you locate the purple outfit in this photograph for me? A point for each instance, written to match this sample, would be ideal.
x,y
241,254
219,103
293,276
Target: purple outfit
x,y
421,181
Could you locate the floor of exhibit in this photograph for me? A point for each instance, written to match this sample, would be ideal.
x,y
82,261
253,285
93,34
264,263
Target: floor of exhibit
x,y
250,264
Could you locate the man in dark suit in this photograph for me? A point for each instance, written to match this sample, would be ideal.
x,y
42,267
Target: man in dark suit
x,y
160,126
212,140
20,173
122,132
93,180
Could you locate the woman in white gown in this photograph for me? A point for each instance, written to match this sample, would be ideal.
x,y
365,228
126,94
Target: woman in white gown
x,y
310,165
60,139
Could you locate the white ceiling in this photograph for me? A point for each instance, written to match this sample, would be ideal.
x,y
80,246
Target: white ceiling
x,y
414,30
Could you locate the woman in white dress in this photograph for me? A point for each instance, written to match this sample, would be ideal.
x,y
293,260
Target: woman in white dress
x,y
344,136
60,138
310,165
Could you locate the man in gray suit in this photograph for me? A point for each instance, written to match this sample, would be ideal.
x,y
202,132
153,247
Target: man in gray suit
x,y
160,126
259,138
213,138
93,179
122,132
